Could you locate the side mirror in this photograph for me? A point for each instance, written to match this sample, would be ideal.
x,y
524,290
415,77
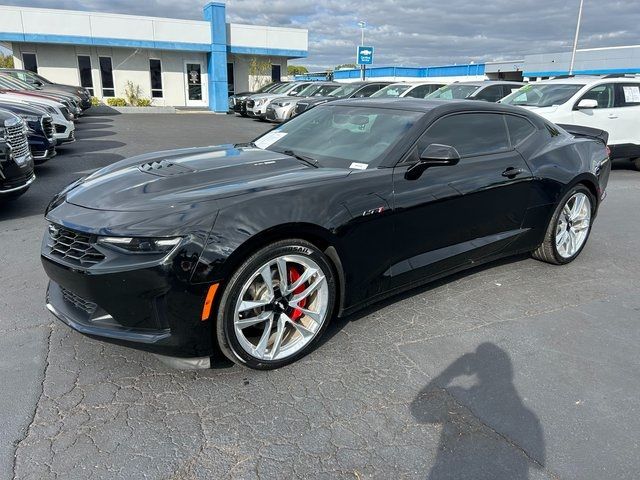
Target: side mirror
x,y
435,155
587,103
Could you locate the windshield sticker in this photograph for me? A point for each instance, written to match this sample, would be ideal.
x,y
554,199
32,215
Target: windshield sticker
x,y
358,166
269,139
632,94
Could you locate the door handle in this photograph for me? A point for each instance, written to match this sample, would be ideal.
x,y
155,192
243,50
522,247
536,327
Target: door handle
x,y
512,172
611,115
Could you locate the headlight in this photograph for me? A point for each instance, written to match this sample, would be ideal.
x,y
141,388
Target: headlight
x,y
282,104
261,101
30,118
140,245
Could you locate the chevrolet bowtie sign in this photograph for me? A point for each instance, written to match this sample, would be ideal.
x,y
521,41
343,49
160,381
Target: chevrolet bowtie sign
x,y
365,55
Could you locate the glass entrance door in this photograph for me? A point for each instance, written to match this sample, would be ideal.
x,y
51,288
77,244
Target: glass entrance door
x,y
194,84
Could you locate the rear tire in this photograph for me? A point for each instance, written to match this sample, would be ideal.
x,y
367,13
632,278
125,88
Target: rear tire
x,y
569,228
264,322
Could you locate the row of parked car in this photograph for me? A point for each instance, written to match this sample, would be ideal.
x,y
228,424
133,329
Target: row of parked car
x,y
606,102
36,116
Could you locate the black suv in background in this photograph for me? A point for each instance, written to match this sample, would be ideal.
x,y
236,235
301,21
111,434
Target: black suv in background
x,y
238,102
348,90
40,130
42,83
16,163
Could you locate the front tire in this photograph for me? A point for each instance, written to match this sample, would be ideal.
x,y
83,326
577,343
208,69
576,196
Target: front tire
x,y
276,305
569,228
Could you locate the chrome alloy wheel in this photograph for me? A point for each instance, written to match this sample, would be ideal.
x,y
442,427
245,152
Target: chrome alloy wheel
x,y
281,307
573,225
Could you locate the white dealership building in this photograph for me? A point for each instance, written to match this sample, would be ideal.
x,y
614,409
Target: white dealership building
x,y
175,62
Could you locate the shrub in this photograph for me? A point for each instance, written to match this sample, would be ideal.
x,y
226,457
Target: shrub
x,y
95,101
132,93
143,102
116,102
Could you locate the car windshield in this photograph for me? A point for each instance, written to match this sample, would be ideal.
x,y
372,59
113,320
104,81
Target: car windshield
x,y
392,91
542,94
345,90
7,81
38,77
455,91
282,88
310,90
268,87
341,136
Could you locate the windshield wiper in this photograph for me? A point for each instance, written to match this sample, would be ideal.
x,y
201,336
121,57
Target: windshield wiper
x,y
308,160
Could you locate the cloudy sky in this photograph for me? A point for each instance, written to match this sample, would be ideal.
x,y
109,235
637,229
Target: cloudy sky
x,y
411,32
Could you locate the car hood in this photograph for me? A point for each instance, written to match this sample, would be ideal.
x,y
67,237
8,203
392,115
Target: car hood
x,y
318,100
178,179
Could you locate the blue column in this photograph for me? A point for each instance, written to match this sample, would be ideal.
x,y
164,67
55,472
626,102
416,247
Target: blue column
x,y
215,13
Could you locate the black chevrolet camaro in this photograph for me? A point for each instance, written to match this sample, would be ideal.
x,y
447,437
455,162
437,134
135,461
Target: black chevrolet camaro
x,y
251,249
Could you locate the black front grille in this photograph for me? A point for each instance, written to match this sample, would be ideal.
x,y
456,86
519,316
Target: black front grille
x,y
78,302
17,139
47,127
301,107
250,103
73,247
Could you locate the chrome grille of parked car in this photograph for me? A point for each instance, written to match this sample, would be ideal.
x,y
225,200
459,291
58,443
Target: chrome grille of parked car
x,y
47,127
78,302
73,247
17,139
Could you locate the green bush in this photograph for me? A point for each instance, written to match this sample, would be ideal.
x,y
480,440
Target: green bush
x,y
116,102
95,101
143,102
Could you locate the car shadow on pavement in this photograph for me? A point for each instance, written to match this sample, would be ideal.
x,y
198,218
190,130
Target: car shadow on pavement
x,y
486,430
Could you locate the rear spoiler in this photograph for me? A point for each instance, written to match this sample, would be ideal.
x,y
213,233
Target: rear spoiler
x,y
588,132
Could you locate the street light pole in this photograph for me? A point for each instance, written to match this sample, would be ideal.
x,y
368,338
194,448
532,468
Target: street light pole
x,y
362,26
575,40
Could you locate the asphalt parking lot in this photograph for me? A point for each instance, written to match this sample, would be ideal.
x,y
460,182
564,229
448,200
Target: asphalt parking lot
x,y
519,366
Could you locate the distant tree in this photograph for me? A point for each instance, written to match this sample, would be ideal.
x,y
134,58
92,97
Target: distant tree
x,y
6,61
346,65
296,70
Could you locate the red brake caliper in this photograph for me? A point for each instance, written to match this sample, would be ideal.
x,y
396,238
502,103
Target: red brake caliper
x,y
294,275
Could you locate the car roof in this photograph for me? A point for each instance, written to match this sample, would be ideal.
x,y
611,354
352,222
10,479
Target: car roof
x,y
587,80
430,105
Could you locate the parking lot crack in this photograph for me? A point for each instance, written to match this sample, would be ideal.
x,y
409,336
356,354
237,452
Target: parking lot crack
x,y
37,403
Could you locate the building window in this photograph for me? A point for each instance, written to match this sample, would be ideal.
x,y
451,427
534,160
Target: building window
x,y
30,62
106,74
155,68
275,73
230,80
84,66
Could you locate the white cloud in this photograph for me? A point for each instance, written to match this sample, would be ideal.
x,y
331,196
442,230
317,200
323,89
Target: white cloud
x,y
411,32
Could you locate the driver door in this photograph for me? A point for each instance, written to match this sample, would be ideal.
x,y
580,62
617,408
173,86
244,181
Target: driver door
x,y
451,216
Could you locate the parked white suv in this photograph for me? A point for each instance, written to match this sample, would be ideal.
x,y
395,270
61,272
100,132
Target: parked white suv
x,y
610,103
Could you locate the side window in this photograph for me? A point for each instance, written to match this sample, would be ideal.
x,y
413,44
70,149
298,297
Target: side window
x,y
519,129
472,134
367,91
492,93
627,95
422,91
603,94
298,89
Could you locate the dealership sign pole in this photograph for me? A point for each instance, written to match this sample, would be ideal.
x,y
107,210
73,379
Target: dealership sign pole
x,y
364,58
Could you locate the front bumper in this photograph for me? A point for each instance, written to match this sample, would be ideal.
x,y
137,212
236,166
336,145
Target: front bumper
x,y
145,305
279,114
65,133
